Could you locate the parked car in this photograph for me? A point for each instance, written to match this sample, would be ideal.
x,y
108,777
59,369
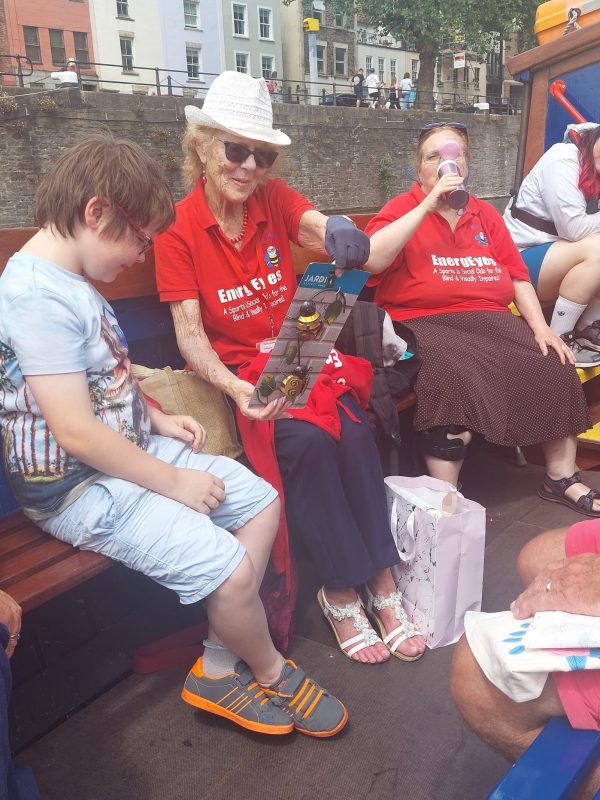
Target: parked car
x,y
343,99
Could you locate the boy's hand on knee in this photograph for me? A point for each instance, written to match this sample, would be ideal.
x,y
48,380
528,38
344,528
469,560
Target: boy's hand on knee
x,y
198,490
186,428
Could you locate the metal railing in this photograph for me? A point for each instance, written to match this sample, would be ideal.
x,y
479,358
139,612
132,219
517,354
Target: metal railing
x,y
162,81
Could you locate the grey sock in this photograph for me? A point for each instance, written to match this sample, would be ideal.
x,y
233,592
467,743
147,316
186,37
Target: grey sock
x,y
217,660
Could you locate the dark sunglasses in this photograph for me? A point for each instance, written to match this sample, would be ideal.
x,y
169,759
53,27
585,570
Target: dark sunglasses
x,y
238,153
431,126
147,241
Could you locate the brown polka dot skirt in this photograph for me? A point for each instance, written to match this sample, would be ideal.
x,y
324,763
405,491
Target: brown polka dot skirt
x,y
483,370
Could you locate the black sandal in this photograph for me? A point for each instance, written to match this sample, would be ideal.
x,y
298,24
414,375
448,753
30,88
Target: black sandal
x,y
554,491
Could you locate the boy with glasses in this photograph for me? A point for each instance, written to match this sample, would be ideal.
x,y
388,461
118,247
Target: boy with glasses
x,y
93,465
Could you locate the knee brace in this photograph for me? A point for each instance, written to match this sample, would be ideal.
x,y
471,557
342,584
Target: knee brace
x,y
435,442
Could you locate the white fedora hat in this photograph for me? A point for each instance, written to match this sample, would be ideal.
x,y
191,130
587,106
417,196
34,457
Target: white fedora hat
x,y
239,104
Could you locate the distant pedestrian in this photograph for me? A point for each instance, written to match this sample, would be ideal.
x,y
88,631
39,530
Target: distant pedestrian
x,y
357,82
373,88
68,77
274,88
394,94
406,87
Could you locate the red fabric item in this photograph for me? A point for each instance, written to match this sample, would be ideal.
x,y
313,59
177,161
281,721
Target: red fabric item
x,y
340,374
579,691
151,401
440,271
240,293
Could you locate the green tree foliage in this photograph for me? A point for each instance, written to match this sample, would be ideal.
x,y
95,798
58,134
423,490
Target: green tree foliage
x,y
424,24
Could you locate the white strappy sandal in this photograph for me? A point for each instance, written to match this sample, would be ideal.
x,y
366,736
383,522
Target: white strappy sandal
x,y
405,630
366,636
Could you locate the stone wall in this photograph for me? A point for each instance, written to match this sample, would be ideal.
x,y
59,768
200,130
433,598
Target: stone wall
x,y
343,159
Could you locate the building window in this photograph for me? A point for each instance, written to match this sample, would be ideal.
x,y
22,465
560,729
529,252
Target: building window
x,y
340,19
318,11
368,64
381,68
57,46
241,62
414,69
267,64
477,76
190,14
321,54
192,57
126,53
32,44
393,73
340,61
123,8
82,55
239,20
438,70
264,23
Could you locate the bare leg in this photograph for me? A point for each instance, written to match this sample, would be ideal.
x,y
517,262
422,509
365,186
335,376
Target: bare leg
x,y
505,725
257,536
559,455
237,620
539,552
571,269
447,470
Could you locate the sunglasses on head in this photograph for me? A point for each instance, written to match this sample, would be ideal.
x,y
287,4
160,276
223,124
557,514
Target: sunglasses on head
x,y
431,126
237,153
147,241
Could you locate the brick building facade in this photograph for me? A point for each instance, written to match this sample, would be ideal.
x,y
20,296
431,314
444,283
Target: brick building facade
x,y
48,32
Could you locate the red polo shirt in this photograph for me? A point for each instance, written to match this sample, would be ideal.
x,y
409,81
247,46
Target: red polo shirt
x,y
440,270
243,295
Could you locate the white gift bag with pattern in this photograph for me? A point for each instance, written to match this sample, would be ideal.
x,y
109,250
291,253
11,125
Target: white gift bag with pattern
x,y
440,536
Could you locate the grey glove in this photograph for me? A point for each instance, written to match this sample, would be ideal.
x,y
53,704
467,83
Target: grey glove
x,y
348,246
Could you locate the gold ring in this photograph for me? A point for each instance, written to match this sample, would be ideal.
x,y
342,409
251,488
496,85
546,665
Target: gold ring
x,y
549,586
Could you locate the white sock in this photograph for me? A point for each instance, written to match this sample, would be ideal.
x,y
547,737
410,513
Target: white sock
x,y
565,315
591,314
217,660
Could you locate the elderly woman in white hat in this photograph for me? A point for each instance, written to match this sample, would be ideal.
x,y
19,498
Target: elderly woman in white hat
x,y
226,268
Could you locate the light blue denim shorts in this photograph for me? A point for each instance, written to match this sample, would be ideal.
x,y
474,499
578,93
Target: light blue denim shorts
x,y
178,547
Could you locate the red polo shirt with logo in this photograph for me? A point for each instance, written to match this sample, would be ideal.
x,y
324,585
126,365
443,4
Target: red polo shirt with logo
x,y
440,270
243,295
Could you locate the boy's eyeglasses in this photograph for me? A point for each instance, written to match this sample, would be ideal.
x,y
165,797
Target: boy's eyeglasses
x,y
147,241
459,126
237,153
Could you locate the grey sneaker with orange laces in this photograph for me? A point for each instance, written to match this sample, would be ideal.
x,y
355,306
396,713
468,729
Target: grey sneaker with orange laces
x,y
237,697
315,712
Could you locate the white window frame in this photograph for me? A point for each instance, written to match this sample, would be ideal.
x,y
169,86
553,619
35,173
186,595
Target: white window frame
x,y
271,68
126,37
237,53
381,68
337,47
393,68
127,15
318,11
414,69
324,46
195,3
268,38
343,23
368,64
198,49
243,35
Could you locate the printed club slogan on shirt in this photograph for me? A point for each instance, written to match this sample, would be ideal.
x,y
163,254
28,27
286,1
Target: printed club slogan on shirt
x,y
253,293
320,307
466,269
